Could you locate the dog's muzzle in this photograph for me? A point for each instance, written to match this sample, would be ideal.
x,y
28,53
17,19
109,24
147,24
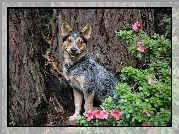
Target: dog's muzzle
x,y
73,52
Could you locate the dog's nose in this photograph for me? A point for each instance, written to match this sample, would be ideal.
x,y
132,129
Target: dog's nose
x,y
73,49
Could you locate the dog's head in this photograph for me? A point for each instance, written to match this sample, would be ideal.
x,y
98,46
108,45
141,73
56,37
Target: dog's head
x,y
74,43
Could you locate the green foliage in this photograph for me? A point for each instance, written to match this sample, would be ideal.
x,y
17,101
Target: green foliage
x,y
149,98
167,21
46,16
156,45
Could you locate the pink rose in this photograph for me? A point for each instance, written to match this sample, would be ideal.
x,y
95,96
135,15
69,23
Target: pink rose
x,y
141,48
101,114
115,113
97,113
104,114
137,23
135,26
145,124
150,80
90,116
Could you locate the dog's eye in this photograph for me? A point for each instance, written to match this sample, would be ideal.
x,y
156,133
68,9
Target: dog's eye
x,y
69,40
80,42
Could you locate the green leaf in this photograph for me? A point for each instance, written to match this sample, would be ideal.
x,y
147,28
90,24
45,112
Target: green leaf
x,y
133,119
130,111
156,123
139,55
127,116
146,100
137,103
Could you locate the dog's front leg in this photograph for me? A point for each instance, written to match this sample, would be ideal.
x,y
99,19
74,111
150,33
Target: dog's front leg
x,y
78,102
88,101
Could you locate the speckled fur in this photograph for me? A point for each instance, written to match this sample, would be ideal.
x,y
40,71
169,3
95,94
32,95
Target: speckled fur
x,y
87,78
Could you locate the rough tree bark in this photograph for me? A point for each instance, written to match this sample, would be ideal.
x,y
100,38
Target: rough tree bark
x,y
26,82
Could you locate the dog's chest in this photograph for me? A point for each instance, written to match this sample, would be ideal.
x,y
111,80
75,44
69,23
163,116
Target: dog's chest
x,y
83,67
81,74
70,71
75,76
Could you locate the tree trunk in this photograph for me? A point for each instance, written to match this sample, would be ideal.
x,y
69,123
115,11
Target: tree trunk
x,y
26,82
103,45
30,79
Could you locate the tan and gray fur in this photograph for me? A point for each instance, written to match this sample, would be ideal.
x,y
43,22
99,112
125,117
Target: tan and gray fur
x,y
87,78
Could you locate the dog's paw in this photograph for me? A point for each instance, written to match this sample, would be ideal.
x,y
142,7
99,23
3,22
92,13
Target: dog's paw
x,y
72,118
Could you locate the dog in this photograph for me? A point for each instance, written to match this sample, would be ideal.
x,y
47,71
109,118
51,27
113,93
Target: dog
x,y
87,78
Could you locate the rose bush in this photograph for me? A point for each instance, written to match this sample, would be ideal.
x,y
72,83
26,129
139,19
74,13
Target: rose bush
x,y
145,93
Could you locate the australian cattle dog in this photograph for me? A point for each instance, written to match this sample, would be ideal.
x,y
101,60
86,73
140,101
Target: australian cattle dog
x,y
87,78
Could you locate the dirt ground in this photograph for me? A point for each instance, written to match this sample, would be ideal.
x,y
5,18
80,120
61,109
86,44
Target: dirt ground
x,y
53,114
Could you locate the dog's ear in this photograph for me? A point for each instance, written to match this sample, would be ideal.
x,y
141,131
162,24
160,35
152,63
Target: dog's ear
x,y
65,28
86,31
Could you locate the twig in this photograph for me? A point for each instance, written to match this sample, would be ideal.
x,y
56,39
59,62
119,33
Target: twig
x,y
134,87
53,63
162,58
